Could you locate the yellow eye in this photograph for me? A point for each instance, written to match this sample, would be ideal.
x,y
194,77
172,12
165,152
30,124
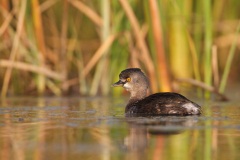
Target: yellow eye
x,y
128,79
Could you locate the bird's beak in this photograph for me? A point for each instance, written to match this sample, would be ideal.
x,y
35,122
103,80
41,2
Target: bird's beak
x,y
118,83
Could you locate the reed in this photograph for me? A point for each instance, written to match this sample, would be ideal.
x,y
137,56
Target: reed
x,y
145,56
13,52
162,66
179,48
59,46
229,61
208,35
40,42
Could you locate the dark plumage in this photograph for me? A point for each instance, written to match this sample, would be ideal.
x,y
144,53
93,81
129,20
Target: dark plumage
x,y
165,103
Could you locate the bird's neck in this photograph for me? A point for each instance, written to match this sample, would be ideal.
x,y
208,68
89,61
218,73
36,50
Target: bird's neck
x,y
136,96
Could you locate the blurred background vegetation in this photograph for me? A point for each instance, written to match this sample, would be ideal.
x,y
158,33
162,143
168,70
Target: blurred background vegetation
x,y
58,47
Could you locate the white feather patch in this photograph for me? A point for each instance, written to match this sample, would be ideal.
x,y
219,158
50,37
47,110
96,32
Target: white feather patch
x,y
191,108
127,86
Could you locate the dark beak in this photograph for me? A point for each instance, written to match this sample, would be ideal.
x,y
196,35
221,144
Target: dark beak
x,y
118,83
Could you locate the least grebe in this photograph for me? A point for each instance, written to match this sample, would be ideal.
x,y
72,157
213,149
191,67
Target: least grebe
x,y
164,103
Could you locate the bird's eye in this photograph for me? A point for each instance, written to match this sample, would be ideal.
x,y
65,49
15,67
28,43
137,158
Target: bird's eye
x,y
128,79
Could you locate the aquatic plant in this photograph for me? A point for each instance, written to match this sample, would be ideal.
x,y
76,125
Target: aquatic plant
x,y
77,46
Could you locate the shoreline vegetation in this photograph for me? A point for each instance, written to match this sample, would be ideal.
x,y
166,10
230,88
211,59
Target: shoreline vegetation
x,y
53,47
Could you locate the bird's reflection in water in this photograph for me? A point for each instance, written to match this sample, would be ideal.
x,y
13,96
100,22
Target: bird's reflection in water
x,y
141,128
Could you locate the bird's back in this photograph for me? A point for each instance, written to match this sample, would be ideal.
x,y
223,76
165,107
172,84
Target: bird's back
x,y
165,103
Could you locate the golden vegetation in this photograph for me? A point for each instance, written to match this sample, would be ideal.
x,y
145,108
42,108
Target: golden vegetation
x,y
80,46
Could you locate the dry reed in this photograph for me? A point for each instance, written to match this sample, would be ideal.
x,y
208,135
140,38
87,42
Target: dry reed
x,y
63,45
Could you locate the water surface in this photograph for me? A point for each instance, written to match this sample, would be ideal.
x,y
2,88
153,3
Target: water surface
x,y
96,128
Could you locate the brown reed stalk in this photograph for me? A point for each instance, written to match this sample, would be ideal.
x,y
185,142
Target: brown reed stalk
x,y
163,69
5,4
63,51
39,33
14,49
98,54
31,68
100,60
134,52
92,15
53,87
47,4
38,26
141,43
8,18
205,86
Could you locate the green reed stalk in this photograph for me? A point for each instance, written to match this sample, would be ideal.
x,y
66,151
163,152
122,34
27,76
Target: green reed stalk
x,y
105,81
218,8
101,76
197,28
208,34
30,43
119,56
229,61
186,44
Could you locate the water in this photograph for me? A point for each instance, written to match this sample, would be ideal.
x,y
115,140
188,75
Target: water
x,y
96,128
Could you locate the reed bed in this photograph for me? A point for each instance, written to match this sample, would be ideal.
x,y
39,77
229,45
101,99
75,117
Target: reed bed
x,y
53,47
